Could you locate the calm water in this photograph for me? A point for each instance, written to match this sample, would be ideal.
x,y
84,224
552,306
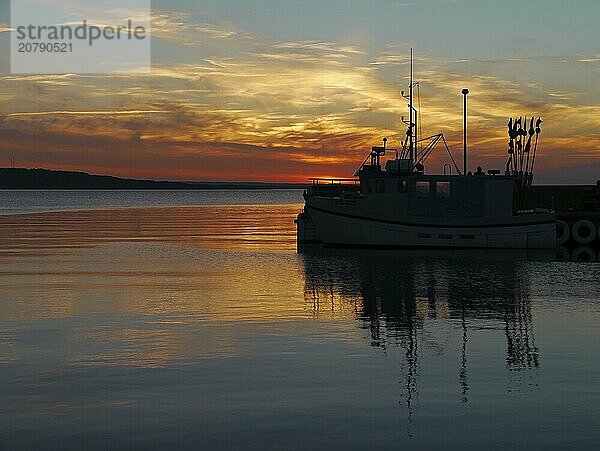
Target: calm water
x,y
201,327
34,201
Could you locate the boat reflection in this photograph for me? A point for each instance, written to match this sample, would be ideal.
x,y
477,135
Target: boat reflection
x,y
406,298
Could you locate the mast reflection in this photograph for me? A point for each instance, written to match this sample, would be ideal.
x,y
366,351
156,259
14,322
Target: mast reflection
x,y
394,294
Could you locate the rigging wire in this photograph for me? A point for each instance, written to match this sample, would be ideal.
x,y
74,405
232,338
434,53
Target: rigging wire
x,y
451,156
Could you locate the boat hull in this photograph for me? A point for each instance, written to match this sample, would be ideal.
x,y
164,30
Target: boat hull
x,y
537,231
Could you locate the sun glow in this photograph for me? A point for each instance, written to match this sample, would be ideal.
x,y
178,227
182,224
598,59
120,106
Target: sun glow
x,y
255,108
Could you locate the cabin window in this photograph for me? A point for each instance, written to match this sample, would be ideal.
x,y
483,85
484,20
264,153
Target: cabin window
x,y
402,186
380,186
422,190
443,190
368,186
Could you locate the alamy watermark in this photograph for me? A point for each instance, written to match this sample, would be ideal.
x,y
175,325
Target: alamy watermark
x,y
95,36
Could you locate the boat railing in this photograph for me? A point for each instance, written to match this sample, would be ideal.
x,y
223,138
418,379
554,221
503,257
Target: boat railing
x,y
329,181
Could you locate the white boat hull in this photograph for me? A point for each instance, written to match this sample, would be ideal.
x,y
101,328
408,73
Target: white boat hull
x,y
537,231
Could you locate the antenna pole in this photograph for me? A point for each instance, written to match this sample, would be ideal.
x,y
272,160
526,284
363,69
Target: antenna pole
x,y
410,107
464,93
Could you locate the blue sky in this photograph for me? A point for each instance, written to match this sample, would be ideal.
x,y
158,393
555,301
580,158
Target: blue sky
x,y
448,28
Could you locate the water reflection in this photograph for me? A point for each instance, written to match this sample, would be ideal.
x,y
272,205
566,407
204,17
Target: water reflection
x,y
231,227
399,296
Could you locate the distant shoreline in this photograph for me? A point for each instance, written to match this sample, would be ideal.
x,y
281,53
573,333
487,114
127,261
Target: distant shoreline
x,y
32,179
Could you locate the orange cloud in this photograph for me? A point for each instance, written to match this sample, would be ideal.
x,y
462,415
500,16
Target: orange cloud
x,y
282,111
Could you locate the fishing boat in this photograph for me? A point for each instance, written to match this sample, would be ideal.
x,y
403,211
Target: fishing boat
x,y
391,202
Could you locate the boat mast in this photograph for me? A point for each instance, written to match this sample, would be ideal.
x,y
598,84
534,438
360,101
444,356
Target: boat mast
x,y
409,145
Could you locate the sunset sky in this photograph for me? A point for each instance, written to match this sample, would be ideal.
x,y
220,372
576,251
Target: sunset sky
x,y
280,90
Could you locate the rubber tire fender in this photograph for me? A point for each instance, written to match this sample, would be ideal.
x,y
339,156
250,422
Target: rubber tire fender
x,y
562,238
575,231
